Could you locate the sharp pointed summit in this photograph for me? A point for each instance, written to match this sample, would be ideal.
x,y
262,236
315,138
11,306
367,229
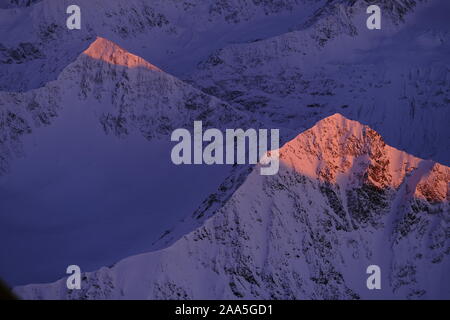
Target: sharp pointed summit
x,y
107,51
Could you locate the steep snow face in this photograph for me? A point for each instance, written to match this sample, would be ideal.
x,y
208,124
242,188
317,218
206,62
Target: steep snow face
x,y
343,200
279,64
36,46
89,154
126,93
285,63
395,79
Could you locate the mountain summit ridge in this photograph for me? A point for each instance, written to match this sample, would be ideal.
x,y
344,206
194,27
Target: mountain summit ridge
x,y
337,137
295,236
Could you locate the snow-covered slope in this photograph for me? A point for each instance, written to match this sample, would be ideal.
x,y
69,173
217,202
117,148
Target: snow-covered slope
x,y
35,44
124,91
286,63
275,64
396,79
343,200
89,154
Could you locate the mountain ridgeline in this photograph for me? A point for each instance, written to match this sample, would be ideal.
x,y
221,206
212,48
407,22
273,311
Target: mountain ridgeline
x,y
83,113
343,200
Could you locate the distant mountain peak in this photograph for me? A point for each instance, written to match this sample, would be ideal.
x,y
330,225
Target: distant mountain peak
x,y
107,51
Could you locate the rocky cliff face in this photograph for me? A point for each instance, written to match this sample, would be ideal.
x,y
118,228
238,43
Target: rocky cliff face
x,y
343,200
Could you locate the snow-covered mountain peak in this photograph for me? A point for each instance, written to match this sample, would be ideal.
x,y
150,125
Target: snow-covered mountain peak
x,y
304,233
88,120
107,51
343,151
